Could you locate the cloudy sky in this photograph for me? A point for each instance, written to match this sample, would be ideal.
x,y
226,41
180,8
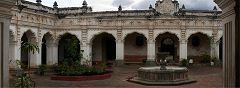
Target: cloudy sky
x,y
109,5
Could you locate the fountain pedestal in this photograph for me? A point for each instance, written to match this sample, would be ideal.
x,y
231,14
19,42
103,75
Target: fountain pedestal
x,y
155,76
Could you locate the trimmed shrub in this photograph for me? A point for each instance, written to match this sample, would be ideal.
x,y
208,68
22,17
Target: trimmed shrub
x,y
184,63
77,69
206,58
42,69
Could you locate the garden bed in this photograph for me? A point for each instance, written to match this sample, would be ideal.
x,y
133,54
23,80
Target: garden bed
x,y
82,78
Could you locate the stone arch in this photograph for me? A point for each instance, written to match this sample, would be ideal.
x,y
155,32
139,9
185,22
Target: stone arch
x,y
68,48
70,32
169,32
28,36
34,34
129,33
199,46
48,34
135,48
167,43
103,48
91,38
202,33
46,40
207,33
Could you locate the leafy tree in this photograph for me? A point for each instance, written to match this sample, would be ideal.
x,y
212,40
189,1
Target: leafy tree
x,y
29,47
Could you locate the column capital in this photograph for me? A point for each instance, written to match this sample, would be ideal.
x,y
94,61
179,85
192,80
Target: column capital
x,y
119,41
13,42
52,43
151,41
183,41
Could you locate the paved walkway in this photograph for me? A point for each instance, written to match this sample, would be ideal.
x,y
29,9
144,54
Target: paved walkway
x,y
207,77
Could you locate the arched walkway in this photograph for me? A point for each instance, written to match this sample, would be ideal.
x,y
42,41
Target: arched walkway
x,y
198,46
135,48
28,36
103,48
68,49
46,43
167,44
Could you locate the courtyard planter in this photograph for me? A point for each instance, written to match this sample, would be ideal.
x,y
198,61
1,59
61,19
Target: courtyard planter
x,y
82,78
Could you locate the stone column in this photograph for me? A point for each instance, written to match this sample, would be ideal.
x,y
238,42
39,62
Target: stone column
x,y
52,52
5,17
14,53
86,49
215,49
151,52
183,49
35,59
4,55
119,52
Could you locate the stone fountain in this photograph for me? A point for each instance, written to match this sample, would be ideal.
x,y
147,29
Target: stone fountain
x,y
162,75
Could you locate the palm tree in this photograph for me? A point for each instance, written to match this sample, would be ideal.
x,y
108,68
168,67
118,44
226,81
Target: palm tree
x,y
29,47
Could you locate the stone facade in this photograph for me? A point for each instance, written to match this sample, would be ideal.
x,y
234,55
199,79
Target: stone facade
x,y
125,27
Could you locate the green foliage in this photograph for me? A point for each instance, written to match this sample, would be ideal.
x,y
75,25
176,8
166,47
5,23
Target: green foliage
x,y
24,81
29,47
215,60
71,48
206,58
101,66
184,62
42,69
77,69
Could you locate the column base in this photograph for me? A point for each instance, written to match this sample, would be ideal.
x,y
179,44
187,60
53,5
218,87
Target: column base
x,y
119,63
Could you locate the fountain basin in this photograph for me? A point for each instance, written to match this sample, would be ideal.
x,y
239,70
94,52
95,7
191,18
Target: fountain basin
x,y
154,76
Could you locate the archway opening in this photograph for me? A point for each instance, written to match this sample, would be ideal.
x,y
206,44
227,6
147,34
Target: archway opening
x,y
103,48
44,51
28,36
68,49
135,48
167,45
221,50
199,48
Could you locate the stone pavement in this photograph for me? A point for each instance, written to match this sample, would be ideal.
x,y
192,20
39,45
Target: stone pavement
x,y
206,76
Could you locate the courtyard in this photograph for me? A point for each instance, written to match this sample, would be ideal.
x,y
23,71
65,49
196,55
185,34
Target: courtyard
x,y
206,76
84,42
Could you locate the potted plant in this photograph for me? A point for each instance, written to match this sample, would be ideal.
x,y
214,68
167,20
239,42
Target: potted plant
x,y
23,80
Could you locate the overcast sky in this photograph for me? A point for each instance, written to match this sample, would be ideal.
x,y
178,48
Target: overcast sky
x,y
108,5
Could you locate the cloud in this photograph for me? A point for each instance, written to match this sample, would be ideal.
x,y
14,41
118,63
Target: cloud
x,y
198,4
144,4
124,3
108,5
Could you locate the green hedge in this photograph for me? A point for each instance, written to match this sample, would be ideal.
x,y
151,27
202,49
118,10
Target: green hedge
x,y
77,69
